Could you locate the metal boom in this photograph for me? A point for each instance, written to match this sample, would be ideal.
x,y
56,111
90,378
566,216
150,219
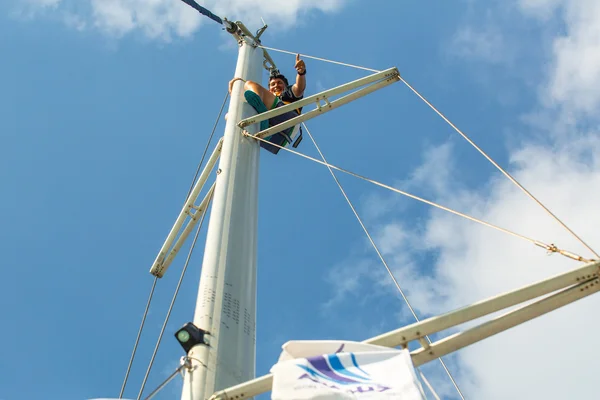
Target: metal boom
x,y
566,288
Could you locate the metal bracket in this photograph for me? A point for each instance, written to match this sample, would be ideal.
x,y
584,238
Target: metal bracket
x,y
261,31
168,251
375,82
569,287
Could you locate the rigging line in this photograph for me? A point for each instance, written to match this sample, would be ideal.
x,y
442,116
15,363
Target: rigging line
x,y
363,226
385,264
203,11
137,340
156,278
428,385
320,59
207,146
162,331
551,248
166,382
536,242
513,180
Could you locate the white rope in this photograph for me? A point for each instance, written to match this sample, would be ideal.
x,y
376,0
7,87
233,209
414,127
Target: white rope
x,y
429,385
165,382
400,191
385,264
139,335
510,177
550,248
513,180
363,226
137,340
321,59
164,326
212,133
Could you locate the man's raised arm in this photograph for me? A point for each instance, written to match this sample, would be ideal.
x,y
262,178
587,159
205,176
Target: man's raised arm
x,y
300,84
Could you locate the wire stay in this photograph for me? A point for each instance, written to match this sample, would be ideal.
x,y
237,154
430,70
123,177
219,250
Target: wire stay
x,y
156,277
428,385
137,340
321,59
510,177
207,146
185,364
549,248
385,264
162,331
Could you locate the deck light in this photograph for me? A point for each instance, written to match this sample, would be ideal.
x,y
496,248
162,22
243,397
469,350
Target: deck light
x,y
190,335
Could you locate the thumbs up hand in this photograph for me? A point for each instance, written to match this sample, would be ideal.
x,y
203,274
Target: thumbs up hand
x,y
300,66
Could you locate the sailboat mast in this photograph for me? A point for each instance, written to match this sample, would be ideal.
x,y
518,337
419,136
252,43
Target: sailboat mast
x,y
226,303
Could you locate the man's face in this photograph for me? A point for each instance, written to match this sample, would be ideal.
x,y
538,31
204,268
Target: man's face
x,y
276,86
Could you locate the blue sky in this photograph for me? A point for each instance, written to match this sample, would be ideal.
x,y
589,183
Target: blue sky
x,y
103,120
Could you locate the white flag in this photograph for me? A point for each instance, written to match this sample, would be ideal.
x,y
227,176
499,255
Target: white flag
x,y
344,370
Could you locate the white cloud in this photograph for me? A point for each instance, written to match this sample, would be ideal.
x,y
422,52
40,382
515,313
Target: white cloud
x,y
540,8
574,75
29,9
163,19
551,357
156,18
473,262
74,21
526,358
436,171
485,43
43,3
113,16
345,279
566,33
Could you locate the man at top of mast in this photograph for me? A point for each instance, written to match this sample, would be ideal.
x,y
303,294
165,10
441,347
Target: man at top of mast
x,y
279,93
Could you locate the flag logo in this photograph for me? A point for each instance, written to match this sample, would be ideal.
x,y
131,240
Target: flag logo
x,y
329,368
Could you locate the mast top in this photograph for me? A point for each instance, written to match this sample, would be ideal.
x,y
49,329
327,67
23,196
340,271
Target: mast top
x,y
238,30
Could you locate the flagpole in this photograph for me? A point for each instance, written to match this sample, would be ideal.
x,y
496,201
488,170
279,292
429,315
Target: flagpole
x,y
226,302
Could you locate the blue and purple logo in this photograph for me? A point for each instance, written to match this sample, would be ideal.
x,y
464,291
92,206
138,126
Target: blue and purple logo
x,y
329,370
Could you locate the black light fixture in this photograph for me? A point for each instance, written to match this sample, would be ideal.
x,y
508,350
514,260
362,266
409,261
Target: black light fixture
x,y
190,335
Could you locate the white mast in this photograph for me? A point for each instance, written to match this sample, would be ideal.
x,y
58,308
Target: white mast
x,y
226,304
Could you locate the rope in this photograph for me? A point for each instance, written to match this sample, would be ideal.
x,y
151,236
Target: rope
x,y
137,340
203,11
156,279
207,146
363,225
550,248
165,382
513,180
396,190
428,385
162,330
321,59
385,264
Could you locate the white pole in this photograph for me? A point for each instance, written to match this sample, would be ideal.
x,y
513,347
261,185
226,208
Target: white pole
x,y
226,304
